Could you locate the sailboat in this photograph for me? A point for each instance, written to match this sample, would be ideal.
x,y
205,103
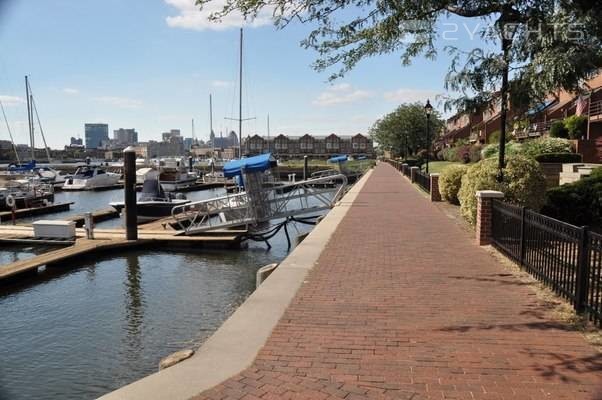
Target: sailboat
x,y
22,187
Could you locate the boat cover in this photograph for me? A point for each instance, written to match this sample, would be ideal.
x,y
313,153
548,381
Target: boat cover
x,y
337,159
261,162
22,167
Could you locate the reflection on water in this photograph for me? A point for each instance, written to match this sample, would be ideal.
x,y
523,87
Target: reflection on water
x,y
89,327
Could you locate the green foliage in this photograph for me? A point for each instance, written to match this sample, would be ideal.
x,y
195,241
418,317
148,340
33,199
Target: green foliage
x,y
545,145
576,126
558,158
404,130
578,203
491,150
558,130
474,153
450,181
494,137
524,184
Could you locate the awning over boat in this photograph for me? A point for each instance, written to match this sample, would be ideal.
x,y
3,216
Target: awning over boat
x,y
337,159
261,162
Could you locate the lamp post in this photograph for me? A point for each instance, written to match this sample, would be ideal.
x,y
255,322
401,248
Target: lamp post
x,y
428,109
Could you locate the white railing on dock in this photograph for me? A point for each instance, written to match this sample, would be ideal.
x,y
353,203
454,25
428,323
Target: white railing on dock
x,y
287,200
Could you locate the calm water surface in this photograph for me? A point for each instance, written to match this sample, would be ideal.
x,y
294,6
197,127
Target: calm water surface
x,y
84,329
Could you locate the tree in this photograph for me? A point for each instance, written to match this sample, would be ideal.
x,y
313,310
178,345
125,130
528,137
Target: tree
x,y
543,45
404,130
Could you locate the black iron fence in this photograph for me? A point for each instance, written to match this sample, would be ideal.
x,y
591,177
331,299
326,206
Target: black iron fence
x,y
565,257
423,180
405,169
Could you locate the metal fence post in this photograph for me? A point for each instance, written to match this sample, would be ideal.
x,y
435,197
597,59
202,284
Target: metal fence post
x,y
581,286
522,236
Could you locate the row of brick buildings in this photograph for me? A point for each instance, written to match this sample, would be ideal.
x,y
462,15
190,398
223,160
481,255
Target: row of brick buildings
x,y
313,146
478,127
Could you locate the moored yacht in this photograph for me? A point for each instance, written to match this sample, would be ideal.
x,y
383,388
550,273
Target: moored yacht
x,y
153,203
175,176
89,178
25,193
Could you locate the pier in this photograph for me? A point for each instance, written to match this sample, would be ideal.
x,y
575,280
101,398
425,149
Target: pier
x,y
30,212
404,307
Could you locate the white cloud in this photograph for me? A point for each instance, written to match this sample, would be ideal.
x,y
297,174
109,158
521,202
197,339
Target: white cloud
x,y
221,84
120,102
10,101
405,95
70,91
341,93
191,17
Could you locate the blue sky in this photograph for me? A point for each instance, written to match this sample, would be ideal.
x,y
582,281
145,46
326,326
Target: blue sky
x,y
151,64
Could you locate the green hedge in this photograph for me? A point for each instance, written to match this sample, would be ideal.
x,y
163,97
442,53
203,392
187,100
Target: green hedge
x,y
450,181
559,158
578,203
524,184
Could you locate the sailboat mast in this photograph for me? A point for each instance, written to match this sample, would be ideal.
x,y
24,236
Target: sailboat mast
x,y
211,135
10,134
30,120
268,133
240,100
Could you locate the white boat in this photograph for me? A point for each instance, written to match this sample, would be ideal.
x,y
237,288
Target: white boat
x,y
51,175
89,178
144,174
175,176
25,193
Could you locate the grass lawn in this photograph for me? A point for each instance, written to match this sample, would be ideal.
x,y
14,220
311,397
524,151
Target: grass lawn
x,y
435,167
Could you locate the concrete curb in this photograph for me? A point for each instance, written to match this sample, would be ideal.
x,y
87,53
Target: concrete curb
x,y
234,346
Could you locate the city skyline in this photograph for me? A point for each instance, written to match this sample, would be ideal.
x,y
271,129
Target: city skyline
x,y
158,73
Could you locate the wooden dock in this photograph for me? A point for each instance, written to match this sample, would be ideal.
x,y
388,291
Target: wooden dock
x,y
104,241
29,212
97,216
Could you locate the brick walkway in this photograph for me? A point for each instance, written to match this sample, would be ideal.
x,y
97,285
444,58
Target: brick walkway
x,y
403,305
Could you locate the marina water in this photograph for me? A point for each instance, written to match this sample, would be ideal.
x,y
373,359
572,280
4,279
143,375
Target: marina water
x,y
88,327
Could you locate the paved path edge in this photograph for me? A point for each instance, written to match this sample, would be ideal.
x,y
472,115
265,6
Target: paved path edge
x,y
234,346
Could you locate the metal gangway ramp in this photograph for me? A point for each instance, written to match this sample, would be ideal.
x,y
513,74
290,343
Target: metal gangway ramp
x,y
260,203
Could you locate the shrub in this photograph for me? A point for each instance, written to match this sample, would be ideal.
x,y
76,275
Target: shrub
x,y
494,137
578,203
491,150
545,145
474,153
450,180
558,130
576,126
558,158
524,184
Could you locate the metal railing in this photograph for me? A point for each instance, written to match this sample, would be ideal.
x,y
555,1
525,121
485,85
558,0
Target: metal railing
x,y
565,257
595,108
423,180
250,209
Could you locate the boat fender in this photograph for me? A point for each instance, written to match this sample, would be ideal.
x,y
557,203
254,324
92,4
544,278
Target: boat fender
x,y
10,201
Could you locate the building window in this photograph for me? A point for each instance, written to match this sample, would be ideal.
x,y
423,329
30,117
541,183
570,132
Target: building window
x,y
281,145
307,145
332,145
355,145
362,145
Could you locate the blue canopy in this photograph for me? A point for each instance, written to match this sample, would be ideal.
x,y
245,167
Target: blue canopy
x,y
261,162
337,159
22,167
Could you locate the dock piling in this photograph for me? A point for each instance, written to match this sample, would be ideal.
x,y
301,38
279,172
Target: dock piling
x,y
305,168
89,224
129,164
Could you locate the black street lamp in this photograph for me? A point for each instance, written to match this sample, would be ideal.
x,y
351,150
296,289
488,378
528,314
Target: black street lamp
x,y
428,109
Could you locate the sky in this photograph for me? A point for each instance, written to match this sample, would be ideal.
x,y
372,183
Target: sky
x,y
151,65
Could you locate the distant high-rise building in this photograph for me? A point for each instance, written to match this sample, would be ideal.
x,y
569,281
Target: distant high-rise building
x,y
95,134
76,141
125,137
166,136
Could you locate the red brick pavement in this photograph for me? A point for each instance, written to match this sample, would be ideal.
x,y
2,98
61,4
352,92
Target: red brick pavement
x,y
403,305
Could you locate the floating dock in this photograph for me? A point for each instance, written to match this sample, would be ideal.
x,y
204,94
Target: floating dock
x,y
104,241
97,216
29,212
